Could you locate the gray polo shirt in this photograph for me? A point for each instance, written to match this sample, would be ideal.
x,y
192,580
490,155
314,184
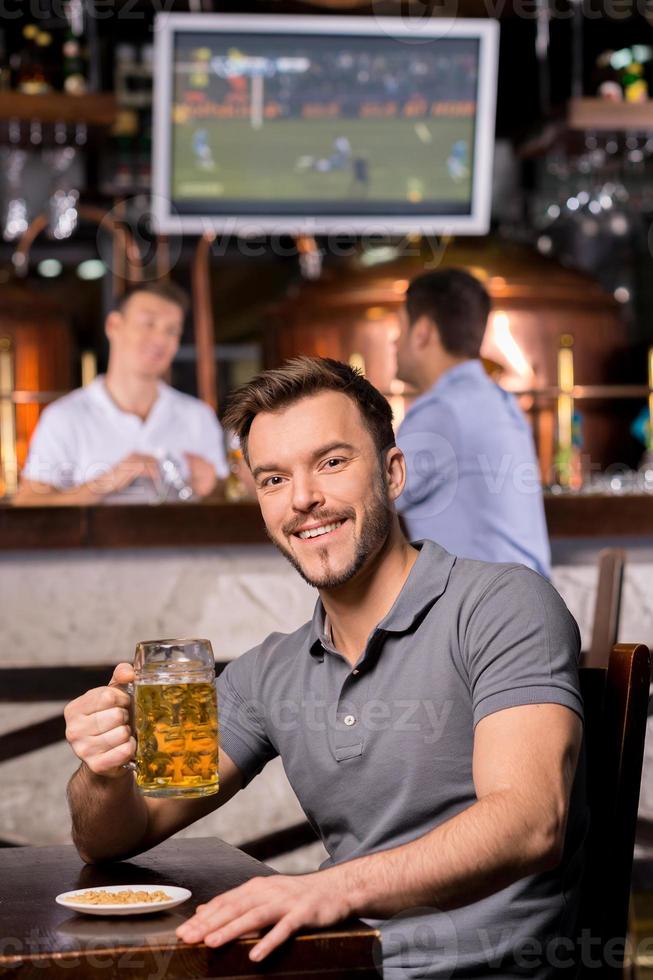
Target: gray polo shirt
x,y
381,753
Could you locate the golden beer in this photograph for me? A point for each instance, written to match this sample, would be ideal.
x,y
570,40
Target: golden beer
x,y
177,736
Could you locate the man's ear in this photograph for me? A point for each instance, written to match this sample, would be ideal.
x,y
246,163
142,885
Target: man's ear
x,y
111,323
423,330
395,472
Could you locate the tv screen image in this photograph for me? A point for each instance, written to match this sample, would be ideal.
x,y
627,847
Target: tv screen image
x,y
307,130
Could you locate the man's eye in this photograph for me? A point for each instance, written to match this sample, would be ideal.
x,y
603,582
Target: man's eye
x,y
268,481
333,462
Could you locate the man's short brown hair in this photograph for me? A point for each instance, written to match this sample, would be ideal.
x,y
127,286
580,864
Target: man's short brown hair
x,y
299,378
456,303
163,289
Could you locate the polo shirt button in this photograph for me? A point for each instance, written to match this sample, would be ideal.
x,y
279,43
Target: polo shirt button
x,y
349,720
355,671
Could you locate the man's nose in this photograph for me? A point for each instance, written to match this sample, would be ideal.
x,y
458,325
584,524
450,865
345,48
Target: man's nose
x,y
307,493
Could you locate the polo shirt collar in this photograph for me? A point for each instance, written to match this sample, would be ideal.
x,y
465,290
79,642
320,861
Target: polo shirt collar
x,y
426,582
97,391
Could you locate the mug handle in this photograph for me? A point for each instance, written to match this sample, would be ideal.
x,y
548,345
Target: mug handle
x,y
129,689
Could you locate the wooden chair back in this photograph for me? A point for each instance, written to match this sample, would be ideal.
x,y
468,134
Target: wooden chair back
x,y
616,708
607,607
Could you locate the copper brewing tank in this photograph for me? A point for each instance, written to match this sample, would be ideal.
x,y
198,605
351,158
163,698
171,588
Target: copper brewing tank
x,y
38,337
350,313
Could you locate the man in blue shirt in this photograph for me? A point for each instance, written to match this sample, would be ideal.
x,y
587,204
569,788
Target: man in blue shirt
x,y
473,478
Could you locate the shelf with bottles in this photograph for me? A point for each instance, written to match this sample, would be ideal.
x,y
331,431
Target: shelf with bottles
x,y
49,70
619,107
607,124
603,115
98,109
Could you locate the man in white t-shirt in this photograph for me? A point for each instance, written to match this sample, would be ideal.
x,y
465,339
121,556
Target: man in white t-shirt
x,y
128,436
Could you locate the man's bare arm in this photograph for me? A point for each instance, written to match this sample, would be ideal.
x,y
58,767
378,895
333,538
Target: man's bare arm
x,y
111,819
34,493
524,764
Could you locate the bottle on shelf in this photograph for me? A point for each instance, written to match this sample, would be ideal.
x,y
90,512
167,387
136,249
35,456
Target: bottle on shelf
x,y
118,166
74,66
44,53
33,75
5,67
634,83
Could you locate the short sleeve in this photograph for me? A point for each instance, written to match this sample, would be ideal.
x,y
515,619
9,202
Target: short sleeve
x,y
211,441
243,732
52,457
521,646
427,437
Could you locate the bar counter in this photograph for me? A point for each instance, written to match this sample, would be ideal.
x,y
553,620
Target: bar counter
x,y
131,526
214,524
104,577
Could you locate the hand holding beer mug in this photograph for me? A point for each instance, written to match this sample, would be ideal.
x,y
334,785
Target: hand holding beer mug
x,y
175,719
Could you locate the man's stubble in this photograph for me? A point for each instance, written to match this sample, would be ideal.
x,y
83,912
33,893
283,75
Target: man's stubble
x,y
375,527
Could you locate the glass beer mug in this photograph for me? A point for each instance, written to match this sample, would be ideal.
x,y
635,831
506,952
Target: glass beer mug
x,y
175,719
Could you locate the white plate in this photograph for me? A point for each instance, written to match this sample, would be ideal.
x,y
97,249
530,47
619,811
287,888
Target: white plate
x,y
177,896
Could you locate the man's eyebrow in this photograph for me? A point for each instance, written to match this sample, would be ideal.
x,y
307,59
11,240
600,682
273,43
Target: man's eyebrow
x,y
321,451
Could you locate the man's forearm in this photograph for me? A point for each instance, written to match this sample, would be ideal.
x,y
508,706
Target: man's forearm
x,y
475,854
82,496
109,816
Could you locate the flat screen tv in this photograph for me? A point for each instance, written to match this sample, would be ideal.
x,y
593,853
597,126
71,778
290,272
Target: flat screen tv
x,y
322,124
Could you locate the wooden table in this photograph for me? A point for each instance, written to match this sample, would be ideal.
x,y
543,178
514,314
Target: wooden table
x,y
641,934
40,939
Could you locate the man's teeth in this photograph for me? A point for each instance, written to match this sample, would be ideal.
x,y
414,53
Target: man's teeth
x,y
315,532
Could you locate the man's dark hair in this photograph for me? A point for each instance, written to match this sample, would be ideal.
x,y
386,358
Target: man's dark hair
x,y
300,378
163,288
456,303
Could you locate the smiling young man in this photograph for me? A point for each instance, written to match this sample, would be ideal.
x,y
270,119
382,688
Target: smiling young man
x,y
428,717
105,442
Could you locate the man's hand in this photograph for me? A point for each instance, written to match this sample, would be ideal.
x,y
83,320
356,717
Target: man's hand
x,y
97,726
203,477
284,902
124,473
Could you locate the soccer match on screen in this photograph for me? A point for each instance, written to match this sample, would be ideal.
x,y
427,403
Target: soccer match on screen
x,y
350,120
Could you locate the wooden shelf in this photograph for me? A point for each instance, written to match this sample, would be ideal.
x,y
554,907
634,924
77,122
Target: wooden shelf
x,y
587,115
585,392
99,109
603,115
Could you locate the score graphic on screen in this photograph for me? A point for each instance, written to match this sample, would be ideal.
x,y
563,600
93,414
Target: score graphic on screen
x,y
286,126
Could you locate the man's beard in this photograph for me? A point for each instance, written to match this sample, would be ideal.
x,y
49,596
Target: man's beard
x,y
375,528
